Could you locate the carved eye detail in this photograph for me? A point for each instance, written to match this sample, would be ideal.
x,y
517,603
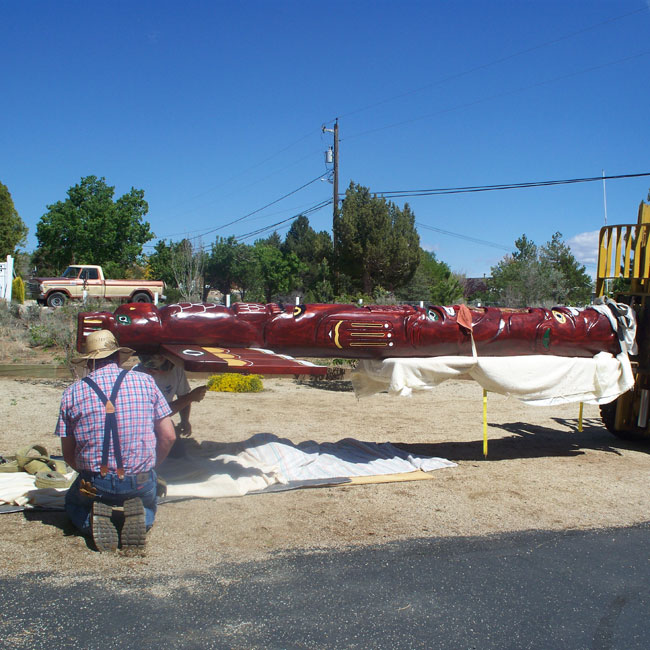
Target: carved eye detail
x,y
193,353
123,319
433,315
559,317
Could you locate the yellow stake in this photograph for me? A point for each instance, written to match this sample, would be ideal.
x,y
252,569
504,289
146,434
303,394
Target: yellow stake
x,y
485,422
580,418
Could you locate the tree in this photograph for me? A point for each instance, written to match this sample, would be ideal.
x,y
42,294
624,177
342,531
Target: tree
x,y
533,277
376,242
516,279
577,284
187,261
159,263
433,282
12,229
233,266
314,250
89,227
280,273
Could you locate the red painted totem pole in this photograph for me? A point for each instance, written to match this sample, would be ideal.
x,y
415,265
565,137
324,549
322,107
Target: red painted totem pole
x,y
211,337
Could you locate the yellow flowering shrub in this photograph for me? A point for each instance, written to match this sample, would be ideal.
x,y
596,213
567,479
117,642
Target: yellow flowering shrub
x,y
230,382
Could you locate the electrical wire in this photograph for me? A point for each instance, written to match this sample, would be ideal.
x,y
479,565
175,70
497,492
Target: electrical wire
x,y
314,208
393,194
475,240
250,214
244,171
483,66
497,96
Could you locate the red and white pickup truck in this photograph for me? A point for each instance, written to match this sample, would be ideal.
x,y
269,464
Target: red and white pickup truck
x,y
83,280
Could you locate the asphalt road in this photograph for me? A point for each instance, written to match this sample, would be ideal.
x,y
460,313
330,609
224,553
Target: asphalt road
x,y
586,589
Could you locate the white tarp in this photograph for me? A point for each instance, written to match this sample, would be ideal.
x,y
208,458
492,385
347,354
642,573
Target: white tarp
x,y
535,379
259,463
266,460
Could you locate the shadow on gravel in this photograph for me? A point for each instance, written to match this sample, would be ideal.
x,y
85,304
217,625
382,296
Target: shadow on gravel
x,y
59,520
529,441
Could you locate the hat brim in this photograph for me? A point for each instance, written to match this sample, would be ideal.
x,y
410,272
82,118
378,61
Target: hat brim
x,y
102,354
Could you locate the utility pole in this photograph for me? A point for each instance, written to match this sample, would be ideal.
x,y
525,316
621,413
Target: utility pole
x,y
335,160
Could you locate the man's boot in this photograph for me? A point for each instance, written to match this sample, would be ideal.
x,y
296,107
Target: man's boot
x,y
103,529
134,530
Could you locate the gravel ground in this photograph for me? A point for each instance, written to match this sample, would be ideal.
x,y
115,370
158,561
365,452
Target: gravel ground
x,y
540,473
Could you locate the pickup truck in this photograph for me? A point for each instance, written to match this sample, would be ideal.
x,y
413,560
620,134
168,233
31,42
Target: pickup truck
x,y
88,278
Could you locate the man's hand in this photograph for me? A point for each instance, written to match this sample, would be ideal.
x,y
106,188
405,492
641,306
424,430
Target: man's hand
x,y
184,429
198,393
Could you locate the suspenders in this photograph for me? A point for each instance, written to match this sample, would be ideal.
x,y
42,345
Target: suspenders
x,y
110,425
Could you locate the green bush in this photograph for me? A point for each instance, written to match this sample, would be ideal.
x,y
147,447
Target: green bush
x,y
57,328
18,290
234,383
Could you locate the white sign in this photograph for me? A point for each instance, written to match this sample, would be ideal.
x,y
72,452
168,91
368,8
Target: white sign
x,y
6,278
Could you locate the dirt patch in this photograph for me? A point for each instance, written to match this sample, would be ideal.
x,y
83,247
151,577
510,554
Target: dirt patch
x,y
541,473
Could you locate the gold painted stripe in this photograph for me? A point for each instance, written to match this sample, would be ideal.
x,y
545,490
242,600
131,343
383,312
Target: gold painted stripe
x,y
368,345
336,335
233,360
367,324
377,335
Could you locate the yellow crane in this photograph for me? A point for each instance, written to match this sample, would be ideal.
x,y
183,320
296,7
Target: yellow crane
x,y
624,272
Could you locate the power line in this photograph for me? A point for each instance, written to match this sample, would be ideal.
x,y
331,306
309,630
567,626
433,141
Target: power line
x,y
498,95
247,169
259,231
393,194
250,214
483,66
475,240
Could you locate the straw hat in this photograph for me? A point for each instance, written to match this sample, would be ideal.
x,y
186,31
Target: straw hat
x,y
157,362
101,344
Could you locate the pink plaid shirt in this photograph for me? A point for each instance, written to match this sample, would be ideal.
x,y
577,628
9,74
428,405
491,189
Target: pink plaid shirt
x,y
138,405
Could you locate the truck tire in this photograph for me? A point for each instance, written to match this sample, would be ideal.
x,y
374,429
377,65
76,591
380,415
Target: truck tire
x,y
608,416
56,299
141,296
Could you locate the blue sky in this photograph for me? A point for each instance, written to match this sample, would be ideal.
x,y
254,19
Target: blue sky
x,y
215,109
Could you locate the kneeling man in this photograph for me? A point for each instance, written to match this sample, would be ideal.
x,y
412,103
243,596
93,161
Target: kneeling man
x,y
115,428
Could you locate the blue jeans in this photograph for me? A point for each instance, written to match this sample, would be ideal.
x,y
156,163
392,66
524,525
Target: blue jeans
x,y
112,490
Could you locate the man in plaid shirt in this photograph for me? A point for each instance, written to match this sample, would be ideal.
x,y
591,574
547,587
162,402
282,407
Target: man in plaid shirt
x,y
114,441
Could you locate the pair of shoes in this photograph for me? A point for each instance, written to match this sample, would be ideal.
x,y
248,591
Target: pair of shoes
x,y
103,529
134,530
104,532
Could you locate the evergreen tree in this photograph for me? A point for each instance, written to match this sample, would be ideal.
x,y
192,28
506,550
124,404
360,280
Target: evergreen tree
x,y
13,231
532,277
432,282
376,242
314,250
576,284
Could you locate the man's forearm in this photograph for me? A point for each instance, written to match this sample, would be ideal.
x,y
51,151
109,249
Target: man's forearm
x,y
165,438
68,446
185,413
180,403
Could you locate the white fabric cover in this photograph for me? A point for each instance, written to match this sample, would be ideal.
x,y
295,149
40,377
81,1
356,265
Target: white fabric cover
x,y
535,379
266,460
254,465
19,488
